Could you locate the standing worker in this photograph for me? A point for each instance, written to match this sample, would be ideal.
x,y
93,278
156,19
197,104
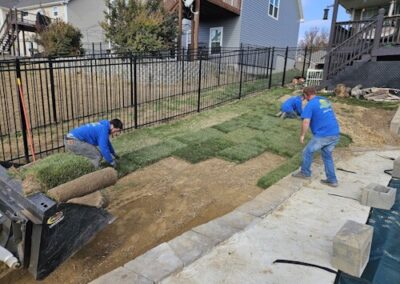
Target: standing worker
x,y
85,139
292,107
320,117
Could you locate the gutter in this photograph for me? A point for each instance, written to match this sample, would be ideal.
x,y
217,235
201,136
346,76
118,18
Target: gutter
x,y
37,6
301,12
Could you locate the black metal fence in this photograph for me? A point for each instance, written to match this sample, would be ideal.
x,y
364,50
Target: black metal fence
x,y
59,94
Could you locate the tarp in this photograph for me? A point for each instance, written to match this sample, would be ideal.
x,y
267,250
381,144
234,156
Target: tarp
x,y
384,262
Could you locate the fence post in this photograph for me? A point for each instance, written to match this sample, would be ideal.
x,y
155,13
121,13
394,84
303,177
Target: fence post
x,y
241,72
199,90
284,66
21,113
267,65
219,68
304,61
52,90
135,90
183,70
92,48
272,65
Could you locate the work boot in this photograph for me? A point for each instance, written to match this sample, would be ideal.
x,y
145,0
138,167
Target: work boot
x,y
327,182
299,174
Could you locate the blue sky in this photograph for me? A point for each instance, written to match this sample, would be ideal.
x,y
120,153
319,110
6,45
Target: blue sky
x,y
313,12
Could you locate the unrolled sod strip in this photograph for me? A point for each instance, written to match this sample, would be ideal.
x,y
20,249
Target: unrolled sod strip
x,y
84,185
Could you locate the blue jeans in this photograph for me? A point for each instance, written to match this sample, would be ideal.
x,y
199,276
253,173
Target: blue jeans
x,y
326,145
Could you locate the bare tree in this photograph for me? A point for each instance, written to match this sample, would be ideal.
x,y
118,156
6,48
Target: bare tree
x,y
316,38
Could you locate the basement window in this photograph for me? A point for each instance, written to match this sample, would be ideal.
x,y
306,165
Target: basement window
x,y
273,8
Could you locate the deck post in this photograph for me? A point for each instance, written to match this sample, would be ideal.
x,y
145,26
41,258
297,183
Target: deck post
x,y
331,37
378,32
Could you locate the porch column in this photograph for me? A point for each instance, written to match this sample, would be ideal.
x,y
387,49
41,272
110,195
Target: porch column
x,y
179,41
195,26
331,37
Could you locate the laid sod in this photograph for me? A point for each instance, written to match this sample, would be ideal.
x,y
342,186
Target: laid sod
x,y
236,132
132,161
199,136
242,152
201,151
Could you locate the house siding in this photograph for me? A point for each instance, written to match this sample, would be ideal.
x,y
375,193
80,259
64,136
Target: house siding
x,y
231,31
87,15
258,28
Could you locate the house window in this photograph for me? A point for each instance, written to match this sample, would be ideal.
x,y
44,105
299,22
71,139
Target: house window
x,y
216,39
273,9
55,11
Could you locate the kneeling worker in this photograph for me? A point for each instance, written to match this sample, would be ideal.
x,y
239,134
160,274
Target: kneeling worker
x,y
292,107
85,139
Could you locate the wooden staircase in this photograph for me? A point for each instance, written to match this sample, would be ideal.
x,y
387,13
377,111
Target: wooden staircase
x,y
19,21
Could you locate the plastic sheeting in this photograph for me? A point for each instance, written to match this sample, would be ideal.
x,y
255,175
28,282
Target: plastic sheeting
x,y
384,263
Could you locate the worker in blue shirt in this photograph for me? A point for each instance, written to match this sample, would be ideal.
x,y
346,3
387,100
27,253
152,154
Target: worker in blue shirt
x,y
292,107
320,117
92,141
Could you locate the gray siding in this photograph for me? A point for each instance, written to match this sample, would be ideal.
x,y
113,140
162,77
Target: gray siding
x,y
86,15
231,33
258,28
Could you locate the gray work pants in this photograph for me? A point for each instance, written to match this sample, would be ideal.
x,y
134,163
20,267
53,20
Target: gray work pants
x,y
84,149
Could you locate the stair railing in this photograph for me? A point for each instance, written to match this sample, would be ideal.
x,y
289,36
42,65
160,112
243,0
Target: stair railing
x,y
353,48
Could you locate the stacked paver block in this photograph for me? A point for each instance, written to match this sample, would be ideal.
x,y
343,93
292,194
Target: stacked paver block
x,y
396,168
378,196
351,248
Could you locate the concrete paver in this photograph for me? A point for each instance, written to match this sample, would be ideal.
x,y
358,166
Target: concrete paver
x,y
190,246
156,264
122,275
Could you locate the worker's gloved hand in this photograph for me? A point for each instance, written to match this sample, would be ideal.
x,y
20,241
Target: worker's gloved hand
x,y
116,156
114,164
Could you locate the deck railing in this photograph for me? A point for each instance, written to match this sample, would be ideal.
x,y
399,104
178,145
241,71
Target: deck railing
x,y
354,39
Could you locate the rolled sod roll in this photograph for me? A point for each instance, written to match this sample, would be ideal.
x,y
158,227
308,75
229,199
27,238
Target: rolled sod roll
x,y
84,185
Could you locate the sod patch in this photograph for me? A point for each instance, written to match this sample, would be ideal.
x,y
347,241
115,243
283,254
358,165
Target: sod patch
x,y
197,152
241,135
280,142
242,152
275,175
230,125
147,155
199,136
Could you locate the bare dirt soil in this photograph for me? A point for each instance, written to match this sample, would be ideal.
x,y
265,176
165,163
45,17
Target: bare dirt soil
x,y
166,199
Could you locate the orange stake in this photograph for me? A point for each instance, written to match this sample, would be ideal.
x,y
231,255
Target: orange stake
x,y
28,125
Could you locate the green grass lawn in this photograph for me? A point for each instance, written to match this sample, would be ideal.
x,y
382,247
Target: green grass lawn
x,y
235,132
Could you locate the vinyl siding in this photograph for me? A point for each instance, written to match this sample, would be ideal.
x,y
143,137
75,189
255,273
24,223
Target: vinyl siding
x,y
231,31
87,15
258,28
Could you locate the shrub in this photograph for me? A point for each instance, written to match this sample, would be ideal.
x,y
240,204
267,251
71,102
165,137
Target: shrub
x,y
60,38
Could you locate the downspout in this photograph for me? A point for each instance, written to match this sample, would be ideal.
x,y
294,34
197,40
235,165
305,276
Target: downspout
x,y
66,11
331,37
8,258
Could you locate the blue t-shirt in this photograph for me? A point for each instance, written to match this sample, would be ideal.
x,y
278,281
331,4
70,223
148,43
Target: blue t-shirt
x,y
322,117
96,134
293,104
